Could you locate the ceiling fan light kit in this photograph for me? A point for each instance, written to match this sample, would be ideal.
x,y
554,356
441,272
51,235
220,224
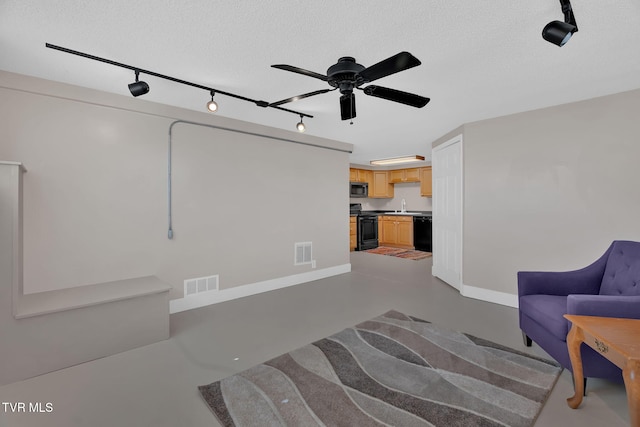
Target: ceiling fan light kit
x,y
558,32
397,160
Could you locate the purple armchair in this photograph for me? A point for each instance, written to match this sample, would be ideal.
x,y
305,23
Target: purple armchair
x,y
610,287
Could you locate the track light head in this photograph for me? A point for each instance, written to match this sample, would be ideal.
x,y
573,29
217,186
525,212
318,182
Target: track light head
x,y
300,126
212,105
138,88
558,32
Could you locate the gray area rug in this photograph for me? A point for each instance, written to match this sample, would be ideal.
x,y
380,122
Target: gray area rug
x,y
392,370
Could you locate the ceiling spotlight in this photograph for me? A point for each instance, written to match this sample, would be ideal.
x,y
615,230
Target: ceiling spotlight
x,y
138,87
212,105
300,126
558,32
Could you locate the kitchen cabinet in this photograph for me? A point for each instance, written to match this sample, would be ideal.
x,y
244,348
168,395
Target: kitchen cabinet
x,y
396,231
426,182
380,187
353,233
360,175
404,175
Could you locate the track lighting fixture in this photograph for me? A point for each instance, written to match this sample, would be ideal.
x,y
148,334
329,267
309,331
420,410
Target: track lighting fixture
x,y
558,32
212,105
300,126
138,88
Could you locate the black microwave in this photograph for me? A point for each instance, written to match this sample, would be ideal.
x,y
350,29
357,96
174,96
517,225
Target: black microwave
x,y
358,189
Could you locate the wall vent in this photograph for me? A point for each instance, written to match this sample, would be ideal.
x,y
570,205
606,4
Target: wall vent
x,y
303,253
200,284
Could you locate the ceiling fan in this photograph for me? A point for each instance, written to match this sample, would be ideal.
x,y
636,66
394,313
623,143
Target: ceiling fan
x,y
347,75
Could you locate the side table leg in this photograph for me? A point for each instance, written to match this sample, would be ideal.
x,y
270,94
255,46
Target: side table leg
x,y
631,375
574,340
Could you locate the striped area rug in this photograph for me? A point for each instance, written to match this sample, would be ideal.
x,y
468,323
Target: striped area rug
x,y
399,252
394,370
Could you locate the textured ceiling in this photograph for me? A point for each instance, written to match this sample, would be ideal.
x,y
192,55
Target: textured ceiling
x,y
480,59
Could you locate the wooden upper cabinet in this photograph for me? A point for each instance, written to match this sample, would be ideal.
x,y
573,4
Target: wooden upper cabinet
x,y
404,175
426,182
360,175
380,187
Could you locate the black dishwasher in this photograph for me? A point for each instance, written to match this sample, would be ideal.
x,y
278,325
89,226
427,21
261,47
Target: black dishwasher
x,y
422,233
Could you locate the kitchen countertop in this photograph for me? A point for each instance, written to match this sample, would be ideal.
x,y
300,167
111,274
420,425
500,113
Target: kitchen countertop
x,y
409,213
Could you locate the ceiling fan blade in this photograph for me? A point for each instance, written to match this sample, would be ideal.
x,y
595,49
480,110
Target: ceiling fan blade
x,y
300,71
396,96
296,98
348,106
399,62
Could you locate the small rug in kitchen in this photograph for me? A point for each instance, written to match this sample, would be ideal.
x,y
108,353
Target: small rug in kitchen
x,y
399,252
392,370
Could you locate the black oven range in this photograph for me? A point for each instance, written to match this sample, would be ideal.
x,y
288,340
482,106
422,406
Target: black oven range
x,y
367,225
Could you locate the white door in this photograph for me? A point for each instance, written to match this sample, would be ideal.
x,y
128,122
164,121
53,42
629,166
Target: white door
x,y
447,211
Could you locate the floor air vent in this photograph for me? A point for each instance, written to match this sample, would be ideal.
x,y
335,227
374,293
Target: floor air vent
x,y
303,253
201,284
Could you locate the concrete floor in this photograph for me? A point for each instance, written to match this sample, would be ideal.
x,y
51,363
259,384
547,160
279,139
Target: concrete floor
x,y
156,385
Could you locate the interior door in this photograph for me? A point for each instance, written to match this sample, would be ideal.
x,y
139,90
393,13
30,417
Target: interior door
x,y
447,211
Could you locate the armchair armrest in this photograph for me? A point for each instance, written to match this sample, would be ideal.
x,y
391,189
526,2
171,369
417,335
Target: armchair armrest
x,y
604,305
559,282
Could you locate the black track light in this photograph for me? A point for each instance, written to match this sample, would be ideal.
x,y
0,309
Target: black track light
x,y
138,88
300,126
212,105
558,32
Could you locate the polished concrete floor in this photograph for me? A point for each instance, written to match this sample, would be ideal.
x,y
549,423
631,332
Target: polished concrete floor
x,y
156,385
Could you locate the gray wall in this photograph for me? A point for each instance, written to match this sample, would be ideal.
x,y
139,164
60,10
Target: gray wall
x,y
549,189
95,197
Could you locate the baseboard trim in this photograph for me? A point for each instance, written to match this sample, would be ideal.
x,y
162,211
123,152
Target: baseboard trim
x,y
209,298
502,298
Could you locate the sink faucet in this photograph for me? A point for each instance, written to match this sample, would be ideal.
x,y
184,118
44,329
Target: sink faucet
x,y
404,206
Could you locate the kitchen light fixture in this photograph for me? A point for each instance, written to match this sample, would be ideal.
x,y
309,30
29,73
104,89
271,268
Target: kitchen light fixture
x,y
300,126
397,160
138,88
558,32
212,105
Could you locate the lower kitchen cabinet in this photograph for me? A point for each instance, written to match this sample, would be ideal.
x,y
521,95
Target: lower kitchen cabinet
x,y
396,231
353,233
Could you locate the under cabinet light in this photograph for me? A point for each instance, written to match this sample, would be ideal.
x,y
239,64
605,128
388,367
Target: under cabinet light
x,y
397,160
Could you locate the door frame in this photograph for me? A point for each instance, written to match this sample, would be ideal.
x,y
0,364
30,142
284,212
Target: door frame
x,y
458,139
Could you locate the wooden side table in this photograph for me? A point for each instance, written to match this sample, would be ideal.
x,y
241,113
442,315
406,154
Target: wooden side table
x,y
616,339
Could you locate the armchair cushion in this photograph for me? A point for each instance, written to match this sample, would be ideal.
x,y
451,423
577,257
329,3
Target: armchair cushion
x,y
544,309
